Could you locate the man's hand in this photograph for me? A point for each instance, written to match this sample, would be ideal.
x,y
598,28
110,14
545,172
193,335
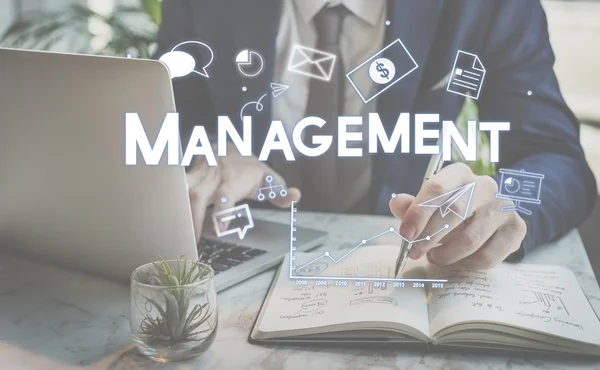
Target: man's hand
x,y
234,179
482,241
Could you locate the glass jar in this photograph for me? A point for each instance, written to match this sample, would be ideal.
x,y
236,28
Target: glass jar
x,y
173,309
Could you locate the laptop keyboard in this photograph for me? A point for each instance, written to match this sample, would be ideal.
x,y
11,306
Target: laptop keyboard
x,y
224,255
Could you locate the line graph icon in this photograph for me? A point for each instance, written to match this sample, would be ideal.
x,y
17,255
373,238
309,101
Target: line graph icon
x,y
329,256
365,241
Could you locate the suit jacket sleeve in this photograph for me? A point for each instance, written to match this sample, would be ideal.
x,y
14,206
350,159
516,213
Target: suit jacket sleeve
x,y
192,96
544,134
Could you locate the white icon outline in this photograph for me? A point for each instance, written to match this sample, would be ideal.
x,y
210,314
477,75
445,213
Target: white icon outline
x,y
374,56
363,242
388,66
248,53
513,196
453,196
272,194
204,72
240,231
259,106
325,56
278,89
453,72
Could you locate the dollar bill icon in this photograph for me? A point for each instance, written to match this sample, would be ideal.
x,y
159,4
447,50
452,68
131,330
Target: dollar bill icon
x,y
386,68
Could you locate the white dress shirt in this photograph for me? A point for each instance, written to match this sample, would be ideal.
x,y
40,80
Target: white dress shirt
x,y
363,32
362,36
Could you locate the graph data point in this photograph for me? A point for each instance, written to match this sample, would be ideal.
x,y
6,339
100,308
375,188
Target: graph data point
x,y
364,241
223,200
428,238
393,195
446,226
327,253
391,229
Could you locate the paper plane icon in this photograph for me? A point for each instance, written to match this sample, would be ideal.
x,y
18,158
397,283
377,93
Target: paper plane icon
x,y
278,89
459,198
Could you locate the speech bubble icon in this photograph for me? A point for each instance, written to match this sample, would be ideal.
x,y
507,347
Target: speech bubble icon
x,y
233,220
180,63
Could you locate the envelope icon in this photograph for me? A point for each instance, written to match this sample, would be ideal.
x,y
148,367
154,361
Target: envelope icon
x,y
312,62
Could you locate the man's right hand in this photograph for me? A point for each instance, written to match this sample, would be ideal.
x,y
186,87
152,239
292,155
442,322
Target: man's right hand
x,y
234,179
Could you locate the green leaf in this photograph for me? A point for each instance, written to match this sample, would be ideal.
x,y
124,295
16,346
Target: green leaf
x,y
153,9
188,277
172,317
160,267
183,273
200,273
193,326
158,307
481,166
167,267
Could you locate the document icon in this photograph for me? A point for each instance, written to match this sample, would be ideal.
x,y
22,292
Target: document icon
x,y
386,67
312,62
467,75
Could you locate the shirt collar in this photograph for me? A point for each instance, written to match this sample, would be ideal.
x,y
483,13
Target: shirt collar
x,y
368,11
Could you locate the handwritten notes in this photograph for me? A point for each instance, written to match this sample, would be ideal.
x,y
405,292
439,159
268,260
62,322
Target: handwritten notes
x,y
545,299
517,305
294,307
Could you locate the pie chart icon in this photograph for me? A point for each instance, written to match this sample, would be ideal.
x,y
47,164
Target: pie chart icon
x,y
512,185
249,63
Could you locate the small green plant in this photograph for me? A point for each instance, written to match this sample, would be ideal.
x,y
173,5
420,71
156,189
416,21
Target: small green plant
x,y
175,323
483,165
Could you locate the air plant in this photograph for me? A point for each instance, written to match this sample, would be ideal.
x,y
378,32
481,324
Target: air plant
x,y
174,322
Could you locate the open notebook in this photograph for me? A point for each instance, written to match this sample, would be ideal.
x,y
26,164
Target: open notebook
x,y
514,306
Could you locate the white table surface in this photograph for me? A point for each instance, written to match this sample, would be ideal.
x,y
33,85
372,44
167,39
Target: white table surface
x,y
53,318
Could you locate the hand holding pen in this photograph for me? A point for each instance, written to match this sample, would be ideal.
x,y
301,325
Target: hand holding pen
x,y
484,239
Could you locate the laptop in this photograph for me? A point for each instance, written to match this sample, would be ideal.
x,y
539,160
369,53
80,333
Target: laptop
x,y
66,195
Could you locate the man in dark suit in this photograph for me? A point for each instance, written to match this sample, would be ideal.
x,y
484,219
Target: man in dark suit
x,y
510,37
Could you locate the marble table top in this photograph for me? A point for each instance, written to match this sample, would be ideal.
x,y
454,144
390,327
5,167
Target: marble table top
x,y
53,318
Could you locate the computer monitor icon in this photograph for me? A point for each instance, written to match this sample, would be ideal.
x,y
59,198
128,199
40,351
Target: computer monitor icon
x,y
519,186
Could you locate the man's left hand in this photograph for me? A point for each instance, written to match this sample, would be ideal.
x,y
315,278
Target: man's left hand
x,y
484,239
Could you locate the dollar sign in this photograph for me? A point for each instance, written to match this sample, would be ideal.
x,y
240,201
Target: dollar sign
x,y
384,71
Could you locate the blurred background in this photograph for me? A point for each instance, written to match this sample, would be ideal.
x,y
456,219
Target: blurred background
x,y
128,28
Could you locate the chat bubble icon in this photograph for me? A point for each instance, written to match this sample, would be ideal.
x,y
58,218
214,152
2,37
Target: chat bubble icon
x,y
182,63
233,220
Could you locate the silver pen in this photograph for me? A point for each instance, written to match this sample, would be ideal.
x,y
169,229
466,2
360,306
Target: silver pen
x,y
435,165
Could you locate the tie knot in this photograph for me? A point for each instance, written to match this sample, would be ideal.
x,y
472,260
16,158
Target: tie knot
x,y
328,23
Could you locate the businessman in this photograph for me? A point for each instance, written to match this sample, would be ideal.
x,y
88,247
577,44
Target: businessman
x,y
510,37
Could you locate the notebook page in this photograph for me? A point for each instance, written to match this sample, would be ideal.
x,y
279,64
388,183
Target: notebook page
x,y
546,299
292,306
